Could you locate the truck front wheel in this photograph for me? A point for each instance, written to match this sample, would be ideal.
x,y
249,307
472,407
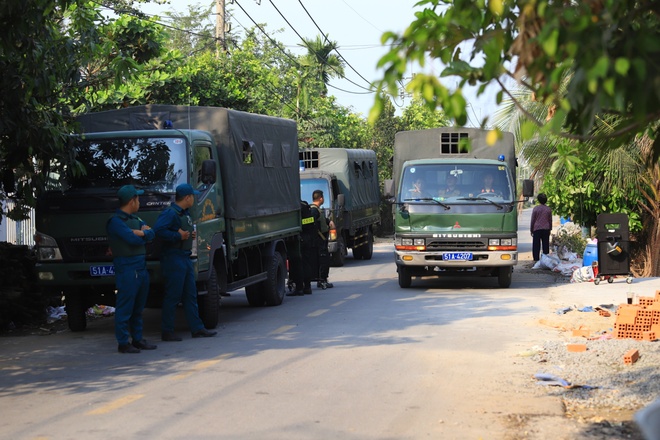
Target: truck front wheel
x,y
209,304
337,259
75,311
504,276
405,278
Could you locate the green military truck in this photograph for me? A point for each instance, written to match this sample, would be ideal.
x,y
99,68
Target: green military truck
x,y
455,204
244,165
349,181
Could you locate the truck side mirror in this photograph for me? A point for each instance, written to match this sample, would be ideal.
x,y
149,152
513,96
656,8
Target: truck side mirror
x,y
340,200
388,188
209,175
528,188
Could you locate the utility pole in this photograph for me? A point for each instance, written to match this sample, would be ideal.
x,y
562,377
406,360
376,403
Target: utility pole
x,y
220,27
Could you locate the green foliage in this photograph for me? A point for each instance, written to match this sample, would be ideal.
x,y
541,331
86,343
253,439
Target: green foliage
x,y
576,196
569,238
587,60
418,116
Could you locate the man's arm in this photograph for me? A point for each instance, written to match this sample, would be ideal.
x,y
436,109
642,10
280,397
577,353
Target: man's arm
x,y
165,227
118,228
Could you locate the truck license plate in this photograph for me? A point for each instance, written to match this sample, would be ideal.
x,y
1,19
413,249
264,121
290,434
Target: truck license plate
x,y
102,271
457,256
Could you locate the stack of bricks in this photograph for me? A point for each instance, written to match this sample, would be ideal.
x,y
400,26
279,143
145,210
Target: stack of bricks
x,y
639,321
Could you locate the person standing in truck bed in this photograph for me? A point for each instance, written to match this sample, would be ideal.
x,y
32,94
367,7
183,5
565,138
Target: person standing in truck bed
x,y
127,235
175,228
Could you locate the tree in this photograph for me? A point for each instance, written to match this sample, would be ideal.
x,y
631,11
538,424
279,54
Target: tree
x,y
192,32
582,181
321,63
55,55
606,48
585,67
418,116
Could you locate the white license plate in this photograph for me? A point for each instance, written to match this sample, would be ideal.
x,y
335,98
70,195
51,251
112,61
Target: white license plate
x,y
102,271
457,256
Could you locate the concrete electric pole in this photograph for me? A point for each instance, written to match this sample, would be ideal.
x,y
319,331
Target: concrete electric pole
x,y
220,26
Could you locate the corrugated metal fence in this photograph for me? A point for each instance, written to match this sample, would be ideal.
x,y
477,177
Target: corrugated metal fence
x,y
21,232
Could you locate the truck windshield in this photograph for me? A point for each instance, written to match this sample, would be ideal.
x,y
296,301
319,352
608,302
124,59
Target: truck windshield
x,y
155,164
456,184
308,186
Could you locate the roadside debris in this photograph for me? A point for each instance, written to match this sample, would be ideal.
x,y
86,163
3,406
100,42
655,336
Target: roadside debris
x,y
55,314
100,310
552,380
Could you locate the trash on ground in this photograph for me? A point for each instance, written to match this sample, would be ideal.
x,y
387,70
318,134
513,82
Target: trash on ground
x,y
55,314
547,262
552,380
100,310
583,274
563,310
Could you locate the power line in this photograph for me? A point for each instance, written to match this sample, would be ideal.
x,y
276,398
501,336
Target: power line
x,y
306,45
335,49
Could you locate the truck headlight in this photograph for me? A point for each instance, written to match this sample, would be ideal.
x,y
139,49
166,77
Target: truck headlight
x,y
493,242
47,249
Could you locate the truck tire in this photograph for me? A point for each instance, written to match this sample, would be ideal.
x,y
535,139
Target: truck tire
x,y
274,287
405,278
255,295
338,258
209,304
75,312
504,276
368,247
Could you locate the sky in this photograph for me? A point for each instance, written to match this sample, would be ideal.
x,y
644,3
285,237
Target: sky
x,y
356,25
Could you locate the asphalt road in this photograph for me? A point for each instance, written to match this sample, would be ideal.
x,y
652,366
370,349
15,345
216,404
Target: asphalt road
x,y
364,360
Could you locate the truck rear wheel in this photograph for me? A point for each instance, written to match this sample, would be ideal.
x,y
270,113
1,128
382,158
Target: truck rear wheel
x,y
209,304
368,247
275,286
255,295
504,276
405,278
75,311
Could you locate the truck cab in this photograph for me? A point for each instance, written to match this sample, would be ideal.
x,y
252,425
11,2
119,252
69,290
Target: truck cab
x,y
455,205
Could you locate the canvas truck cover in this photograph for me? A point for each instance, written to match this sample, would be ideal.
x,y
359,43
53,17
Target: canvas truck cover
x,y
270,184
443,143
356,172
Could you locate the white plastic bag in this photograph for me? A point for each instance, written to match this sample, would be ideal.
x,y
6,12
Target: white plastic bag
x,y
549,261
583,274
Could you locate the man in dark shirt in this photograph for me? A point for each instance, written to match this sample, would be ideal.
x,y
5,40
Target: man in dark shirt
x,y
174,228
127,235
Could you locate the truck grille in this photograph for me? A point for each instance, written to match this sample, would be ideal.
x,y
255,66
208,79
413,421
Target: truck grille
x,y
86,251
440,245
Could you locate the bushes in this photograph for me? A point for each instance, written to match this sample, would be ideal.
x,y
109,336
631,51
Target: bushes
x,y
21,302
569,238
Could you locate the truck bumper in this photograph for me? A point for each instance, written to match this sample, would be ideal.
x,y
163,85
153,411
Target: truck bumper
x,y
58,277
434,259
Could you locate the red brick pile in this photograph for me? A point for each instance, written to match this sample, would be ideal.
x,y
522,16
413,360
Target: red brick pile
x,y
639,321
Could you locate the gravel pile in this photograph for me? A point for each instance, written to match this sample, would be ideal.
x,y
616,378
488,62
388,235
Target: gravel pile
x,y
607,381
